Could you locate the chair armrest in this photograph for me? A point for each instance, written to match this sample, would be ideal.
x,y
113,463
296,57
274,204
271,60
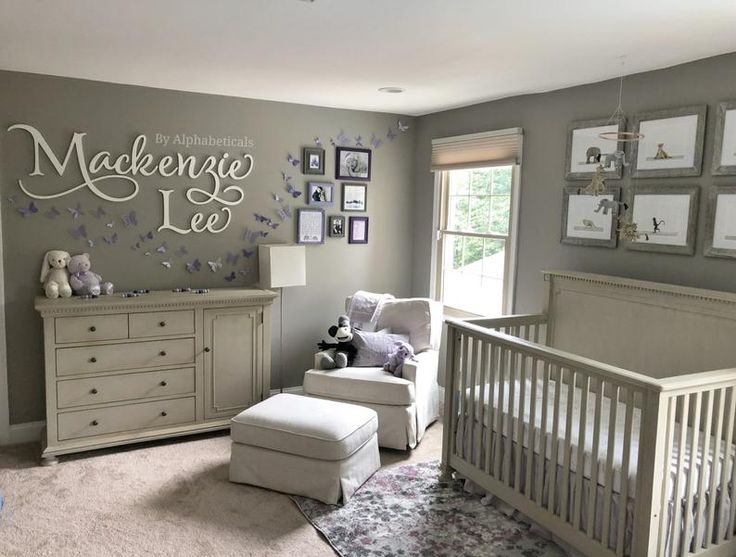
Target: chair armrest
x,y
423,368
318,358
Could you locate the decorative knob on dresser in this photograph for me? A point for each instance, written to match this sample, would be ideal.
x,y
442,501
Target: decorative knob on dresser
x,y
162,353
163,413
206,348
162,324
93,391
92,329
93,359
163,383
95,422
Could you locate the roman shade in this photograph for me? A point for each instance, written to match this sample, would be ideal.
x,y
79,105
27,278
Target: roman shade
x,y
494,148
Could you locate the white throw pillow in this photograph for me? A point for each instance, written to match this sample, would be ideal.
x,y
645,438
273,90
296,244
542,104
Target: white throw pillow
x,y
420,318
374,348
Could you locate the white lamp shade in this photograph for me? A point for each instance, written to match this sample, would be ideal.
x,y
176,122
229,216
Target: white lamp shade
x,y
281,265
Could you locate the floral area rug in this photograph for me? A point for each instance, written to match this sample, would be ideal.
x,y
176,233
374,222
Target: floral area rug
x,y
406,510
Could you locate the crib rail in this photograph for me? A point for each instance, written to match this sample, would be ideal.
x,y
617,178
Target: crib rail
x,y
561,438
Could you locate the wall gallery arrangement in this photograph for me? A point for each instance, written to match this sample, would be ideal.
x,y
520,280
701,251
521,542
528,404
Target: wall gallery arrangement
x,y
650,217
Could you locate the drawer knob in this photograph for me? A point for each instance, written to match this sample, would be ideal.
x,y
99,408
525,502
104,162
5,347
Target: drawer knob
x,y
206,348
92,329
163,413
93,391
93,359
162,324
163,383
95,422
162,353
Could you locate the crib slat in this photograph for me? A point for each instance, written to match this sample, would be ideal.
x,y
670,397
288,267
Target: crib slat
x,y
520,423
569,410
607,495
543,434
513,371
727,459
483,366
471,367
733,482
532,428
709,524
502,393
463,393
669,441
457,372
681,444
692,469
525,331
493,351
536,332
624,491
595,449
580,463
555,441
703,467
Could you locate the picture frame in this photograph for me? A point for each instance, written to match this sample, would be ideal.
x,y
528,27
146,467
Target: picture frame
x,y
310,226
720,223
354,197
358,230
353,163
336,226
586,150
672,145
320,194
591,220
313,160
666,218
724,148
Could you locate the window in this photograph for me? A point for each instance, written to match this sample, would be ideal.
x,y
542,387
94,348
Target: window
x,y
476,243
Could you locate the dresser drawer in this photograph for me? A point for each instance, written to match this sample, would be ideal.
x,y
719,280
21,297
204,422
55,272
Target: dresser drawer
x,y
130,386
128,417
128,355
92,327
161,323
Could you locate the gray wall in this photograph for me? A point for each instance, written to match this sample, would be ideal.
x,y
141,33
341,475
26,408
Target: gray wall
x,y
544,118
112,115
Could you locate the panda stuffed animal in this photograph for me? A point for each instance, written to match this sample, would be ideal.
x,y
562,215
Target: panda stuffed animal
x,y
344,349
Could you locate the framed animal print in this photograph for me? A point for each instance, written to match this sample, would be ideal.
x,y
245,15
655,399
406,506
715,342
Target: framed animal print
x,y
672,145
586,150
352,163
313,160
665,218
589,220
724,149
720,224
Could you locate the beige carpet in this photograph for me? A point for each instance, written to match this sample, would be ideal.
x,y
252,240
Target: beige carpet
x,y
165,498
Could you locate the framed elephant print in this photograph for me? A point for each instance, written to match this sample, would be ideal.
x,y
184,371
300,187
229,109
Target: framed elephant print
x,y
724,149
720,224
586,150
672,143
589,220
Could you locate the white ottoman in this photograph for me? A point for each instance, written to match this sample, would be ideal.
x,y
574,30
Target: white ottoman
x,y
305,446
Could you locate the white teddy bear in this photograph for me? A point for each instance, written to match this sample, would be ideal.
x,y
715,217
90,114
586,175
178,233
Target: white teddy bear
x,y
54,274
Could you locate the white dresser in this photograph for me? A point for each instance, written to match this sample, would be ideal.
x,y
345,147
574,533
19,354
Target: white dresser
x,y
121,370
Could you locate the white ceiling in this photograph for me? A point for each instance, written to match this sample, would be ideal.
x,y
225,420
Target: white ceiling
x,y
337,53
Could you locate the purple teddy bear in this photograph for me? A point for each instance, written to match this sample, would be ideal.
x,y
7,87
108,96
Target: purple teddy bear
x,y
396,359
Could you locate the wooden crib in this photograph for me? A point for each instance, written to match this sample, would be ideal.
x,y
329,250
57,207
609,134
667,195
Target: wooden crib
x,y
634,456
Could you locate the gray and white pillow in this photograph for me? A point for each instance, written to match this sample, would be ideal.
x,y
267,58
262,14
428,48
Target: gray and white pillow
x,y
374,348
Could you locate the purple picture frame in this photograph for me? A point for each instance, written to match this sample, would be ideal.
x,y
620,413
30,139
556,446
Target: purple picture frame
x,y
354,227
353,163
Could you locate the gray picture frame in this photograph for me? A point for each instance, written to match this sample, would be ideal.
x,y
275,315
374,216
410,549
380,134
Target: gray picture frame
x,y
616,173
307,154
300,219
611,242
692,226
717,168
696,169
710,220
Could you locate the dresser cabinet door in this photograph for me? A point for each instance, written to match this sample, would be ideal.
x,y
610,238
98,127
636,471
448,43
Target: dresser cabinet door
x,y
232,360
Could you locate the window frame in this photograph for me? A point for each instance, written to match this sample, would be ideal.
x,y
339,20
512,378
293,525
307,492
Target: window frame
x,y
439,245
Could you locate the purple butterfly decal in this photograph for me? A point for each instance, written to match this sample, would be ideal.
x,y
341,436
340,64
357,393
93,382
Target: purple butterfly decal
x,y
99,213
402,127
252,235
130,219
135,246
317,142
359,141
375,142
215,265
79,232
91,243
332,142
285,177
230,277
112,239
166,264
193,266
342,139
284,212
181,252
261,218
291,160
162,248
293,191
391,135
248,253
52,213
110,224
147,236
76,212
28,211
232,258
277,197
273,225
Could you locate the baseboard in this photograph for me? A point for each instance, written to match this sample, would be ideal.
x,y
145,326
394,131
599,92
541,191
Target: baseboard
x,y
28,432
291,390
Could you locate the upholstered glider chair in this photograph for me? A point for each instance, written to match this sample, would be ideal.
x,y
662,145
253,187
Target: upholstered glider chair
x,y
405,405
